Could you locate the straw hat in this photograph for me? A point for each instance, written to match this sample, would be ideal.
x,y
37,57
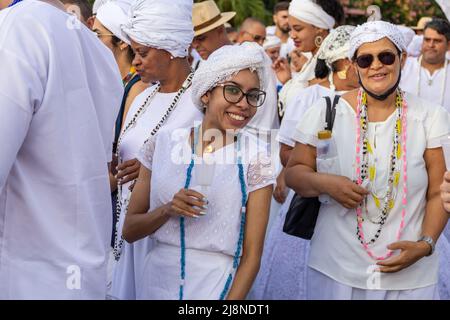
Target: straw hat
x,y
422,23
206,16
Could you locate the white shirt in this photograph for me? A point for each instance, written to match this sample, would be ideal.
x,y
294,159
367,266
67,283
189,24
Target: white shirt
x,y
305,99
286,47
168,158
335,248
434,88
60,91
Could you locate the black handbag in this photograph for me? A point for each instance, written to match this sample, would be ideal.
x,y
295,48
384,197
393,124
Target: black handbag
x,y
303,212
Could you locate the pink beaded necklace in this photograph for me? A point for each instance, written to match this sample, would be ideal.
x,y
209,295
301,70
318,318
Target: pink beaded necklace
x,y
362,103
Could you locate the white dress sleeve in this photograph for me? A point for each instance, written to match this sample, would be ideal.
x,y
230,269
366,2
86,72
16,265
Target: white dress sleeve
x,y
261,172
145,155
21,92
437,126
311,123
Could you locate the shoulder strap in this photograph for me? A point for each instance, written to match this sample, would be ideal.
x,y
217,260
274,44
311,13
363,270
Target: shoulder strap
x,y
331,111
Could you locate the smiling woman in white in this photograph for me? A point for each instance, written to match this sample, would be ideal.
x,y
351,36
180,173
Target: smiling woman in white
x,y
386,212
60,90
207,250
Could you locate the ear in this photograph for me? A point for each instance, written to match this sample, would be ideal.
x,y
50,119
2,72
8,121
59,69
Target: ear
x,y
205,99
404,56
90,22
122,45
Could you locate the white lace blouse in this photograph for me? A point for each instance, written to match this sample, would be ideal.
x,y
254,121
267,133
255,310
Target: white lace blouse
x,y
168,157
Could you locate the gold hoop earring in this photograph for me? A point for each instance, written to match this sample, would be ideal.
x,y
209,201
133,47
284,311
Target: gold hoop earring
x,y
318,41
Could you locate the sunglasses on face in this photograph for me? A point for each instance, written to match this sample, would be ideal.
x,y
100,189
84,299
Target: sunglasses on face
x,y
365,60
234,94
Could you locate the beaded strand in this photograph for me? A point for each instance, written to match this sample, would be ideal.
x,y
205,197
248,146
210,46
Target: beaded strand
x,y
242,224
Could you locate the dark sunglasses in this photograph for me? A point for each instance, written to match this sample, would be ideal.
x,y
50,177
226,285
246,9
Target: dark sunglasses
x,y
365,60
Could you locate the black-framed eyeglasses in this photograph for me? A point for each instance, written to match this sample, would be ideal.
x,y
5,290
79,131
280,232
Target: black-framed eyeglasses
x,y
233,94
365,60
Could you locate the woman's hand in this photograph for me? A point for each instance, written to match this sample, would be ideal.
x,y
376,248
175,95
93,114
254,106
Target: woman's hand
x,y
282,70
345,191
184,203
445,191
411,252
128,171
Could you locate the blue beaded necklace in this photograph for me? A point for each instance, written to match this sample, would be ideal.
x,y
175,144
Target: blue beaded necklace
x,y
242,226
14,3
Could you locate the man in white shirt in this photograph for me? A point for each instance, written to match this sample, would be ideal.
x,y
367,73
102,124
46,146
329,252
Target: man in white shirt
x,y
428,76
60,90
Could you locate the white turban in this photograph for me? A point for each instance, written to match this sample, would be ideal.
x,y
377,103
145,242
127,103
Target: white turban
x,y
373,31
226,62
162,24
336,45
407,33
97,4
112,15
271,42
310,12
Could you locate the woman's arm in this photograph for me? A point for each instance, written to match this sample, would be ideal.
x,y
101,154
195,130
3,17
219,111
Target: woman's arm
x,y
140,223
301,176
255,229
434,220
285,153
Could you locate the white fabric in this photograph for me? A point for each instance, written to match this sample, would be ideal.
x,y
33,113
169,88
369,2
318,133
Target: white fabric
x,y
271,42
206,274
304,100
226,62
97,4
373,31
445,6
286,47
223,213
407,33
433,91
112,15
334,242
336,45
299,81
321,287
162,25
415,47
310,12
129,267
56,121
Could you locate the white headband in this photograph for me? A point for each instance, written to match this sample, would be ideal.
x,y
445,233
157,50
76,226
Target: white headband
x,y
271,42
112,15
162,24
97,4
373,31
310,12
226,62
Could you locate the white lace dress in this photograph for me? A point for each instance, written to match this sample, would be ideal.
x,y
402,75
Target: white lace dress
x,y
211,239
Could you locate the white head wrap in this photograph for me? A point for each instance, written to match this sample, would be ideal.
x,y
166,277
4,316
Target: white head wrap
x,y
310,12
271,42
374,31
336,45
226,62
407,33
162,24
97,4
112,15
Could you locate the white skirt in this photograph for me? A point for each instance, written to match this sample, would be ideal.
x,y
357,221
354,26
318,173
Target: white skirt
x,y
206,274
322,287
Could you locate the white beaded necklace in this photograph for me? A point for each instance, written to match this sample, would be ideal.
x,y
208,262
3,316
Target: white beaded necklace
x,y
430,81
118,243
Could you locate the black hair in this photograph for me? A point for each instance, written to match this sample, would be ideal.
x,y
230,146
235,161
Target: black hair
x,y
334,9
130,53
441,26
230,29
84,5
281,6
322,70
